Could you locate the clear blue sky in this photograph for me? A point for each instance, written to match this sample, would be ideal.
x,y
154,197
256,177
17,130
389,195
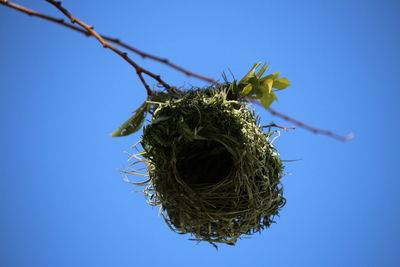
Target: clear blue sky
x,y
62,200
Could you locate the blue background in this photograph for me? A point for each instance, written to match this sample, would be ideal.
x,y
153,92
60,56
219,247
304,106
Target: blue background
x,y
62,200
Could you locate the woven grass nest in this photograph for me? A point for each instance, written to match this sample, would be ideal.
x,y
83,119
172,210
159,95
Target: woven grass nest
x,y
212,169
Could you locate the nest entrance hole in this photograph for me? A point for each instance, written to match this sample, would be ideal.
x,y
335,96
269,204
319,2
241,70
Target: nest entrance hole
x,y
204,162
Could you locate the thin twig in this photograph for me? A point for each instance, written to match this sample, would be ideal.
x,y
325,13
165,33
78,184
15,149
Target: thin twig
x,y
90,29
310,128
162,60
303,125
116,41
34,13
279,126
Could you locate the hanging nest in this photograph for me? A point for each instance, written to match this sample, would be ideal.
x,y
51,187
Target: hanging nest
x,y
212,169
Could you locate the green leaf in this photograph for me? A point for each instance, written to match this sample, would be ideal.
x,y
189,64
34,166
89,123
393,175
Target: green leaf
x,y
268,99
267,83
134,123
262,70
247,89
249,74
281,83
254,86
265,93
273,76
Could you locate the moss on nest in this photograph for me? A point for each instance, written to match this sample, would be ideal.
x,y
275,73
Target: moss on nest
x,y
212,169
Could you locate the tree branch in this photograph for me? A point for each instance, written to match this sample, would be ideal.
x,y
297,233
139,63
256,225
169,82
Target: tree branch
x,y
116,41
310,128
162,60
89,31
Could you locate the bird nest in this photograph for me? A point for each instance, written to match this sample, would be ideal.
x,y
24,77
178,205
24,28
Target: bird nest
x,y
212,169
